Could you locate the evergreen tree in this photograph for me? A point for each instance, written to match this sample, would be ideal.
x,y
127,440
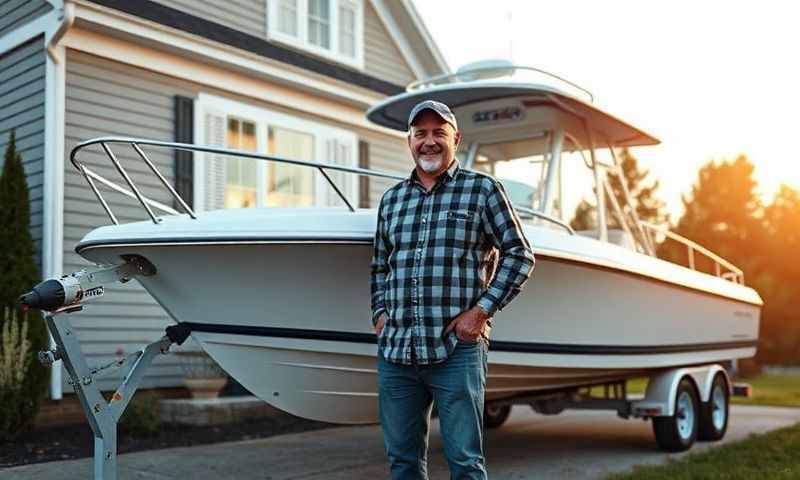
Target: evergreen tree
x,y
18,273
643,197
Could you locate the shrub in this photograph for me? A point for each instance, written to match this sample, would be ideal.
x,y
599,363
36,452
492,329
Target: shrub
x,y
142,417
15,361
18,273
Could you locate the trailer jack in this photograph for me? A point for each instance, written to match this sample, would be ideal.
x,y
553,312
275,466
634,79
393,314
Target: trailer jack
x,y
64,295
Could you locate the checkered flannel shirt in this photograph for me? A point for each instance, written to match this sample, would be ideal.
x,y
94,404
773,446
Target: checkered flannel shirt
x,y
433,254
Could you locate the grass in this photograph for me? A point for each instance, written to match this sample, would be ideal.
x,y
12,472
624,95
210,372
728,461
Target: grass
x,y
773,390
768,390
773,455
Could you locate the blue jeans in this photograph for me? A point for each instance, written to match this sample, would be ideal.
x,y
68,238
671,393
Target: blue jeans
x,y
406,393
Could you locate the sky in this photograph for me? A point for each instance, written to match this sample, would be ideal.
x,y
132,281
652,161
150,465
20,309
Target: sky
x,y
710,79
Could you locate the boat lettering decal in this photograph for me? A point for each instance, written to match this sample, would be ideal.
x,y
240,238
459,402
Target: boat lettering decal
x,y
504,115
94,292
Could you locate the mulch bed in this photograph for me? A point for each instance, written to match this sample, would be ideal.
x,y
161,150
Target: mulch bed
x,y
77,441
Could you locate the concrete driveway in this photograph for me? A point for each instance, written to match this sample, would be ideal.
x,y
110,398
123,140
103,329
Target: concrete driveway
x,y
579,444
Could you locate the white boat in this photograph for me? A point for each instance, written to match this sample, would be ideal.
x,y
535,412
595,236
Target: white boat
x,y
280,297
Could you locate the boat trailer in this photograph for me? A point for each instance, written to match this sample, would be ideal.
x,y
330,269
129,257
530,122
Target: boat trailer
x,y
60,297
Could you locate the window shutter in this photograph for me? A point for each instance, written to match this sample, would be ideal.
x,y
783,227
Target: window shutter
x,y
214,136
339,153
184,160
363,180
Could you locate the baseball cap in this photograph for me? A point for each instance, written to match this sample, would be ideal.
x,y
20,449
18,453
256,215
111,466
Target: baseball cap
x,y
438,107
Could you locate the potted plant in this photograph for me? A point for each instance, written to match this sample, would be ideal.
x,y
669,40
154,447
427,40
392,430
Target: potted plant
x,y
203,377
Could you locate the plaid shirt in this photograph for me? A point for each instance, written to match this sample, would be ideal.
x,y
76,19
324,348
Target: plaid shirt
x,y
434,252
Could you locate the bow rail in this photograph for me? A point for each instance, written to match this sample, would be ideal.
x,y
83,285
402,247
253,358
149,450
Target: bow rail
x,y
148,204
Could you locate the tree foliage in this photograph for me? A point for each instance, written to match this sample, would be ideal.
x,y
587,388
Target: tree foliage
x,y
18,273
721,213
724,214
778,279
643,197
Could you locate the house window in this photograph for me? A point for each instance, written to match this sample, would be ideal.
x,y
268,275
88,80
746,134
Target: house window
x,y
235,182
333,29
240,173
290,185
319,23
287,17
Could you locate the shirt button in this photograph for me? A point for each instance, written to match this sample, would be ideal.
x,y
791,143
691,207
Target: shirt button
x,y
424,219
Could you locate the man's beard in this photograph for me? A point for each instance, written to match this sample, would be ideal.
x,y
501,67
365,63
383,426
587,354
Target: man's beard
x,y
431,166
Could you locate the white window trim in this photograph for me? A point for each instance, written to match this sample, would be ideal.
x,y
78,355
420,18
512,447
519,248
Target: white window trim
x,y
301,41
264,118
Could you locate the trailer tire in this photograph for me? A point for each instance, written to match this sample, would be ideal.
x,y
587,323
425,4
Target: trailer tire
x,y
714,413
495,415
679,431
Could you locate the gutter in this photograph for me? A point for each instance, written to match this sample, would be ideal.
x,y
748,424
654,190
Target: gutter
x,y
53,183
67,19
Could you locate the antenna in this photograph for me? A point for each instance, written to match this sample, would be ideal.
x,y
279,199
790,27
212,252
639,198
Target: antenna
x,y
510,31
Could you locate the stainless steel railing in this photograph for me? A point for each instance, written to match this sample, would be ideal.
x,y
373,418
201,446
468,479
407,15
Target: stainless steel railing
x,y
148,204
722,268
498,71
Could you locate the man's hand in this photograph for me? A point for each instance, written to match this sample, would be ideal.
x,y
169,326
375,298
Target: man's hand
x,y
469,324
380,324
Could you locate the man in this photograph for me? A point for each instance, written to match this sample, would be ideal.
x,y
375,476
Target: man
x,y
436,235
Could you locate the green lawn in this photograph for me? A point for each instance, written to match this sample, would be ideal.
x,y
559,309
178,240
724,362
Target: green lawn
x,y
773,456
772,390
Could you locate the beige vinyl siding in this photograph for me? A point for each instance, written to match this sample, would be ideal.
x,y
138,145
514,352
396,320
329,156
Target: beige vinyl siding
x,y
108,98
16,13
22,91
248,16
386,154
382,58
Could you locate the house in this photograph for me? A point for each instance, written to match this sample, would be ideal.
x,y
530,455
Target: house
x,y
288,77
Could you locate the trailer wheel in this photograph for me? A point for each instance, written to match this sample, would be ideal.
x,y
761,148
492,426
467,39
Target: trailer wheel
x,y
678,432
495,415
714,413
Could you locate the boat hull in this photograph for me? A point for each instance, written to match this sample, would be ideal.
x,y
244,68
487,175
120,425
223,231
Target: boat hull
x,y
290,321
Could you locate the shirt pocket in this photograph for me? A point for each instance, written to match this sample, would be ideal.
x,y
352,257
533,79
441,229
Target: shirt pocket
x,y
461,228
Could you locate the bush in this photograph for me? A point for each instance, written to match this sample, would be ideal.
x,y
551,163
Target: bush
x,y
142,417
18,273
15,361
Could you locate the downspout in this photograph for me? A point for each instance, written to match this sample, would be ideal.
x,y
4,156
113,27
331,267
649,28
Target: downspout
x,y
53,188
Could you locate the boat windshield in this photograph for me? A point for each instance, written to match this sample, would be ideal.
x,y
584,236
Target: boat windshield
x,y
522,166
519,165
